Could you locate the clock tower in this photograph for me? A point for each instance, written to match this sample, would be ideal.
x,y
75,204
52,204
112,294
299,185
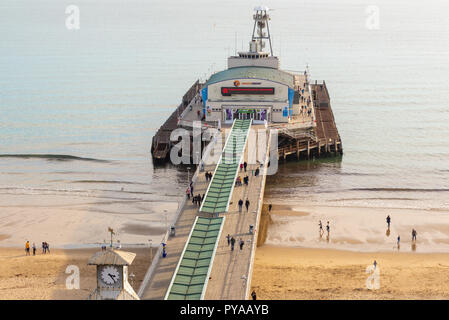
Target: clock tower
x,y
112,275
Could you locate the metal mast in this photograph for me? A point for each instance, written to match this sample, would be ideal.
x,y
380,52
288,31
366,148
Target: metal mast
x,y
261,19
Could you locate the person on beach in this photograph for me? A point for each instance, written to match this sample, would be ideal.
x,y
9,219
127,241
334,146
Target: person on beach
x,y
414,233
253,295
240,205
245,165
43,248
246,179
328,228
34,249
241,166
247,204
321,228
375,264
241,243
270,207
256,173
232,243
27,248
388,221
188,193
399,242
47,247
228,237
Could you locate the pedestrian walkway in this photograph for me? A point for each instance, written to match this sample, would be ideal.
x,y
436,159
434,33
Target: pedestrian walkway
x,y
220,190
190,278
230,278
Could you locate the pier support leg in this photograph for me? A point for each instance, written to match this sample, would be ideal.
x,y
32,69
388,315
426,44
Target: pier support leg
x,y
297,149
308,149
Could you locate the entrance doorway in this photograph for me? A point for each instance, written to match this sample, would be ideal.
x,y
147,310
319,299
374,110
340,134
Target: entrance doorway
x,y
258,115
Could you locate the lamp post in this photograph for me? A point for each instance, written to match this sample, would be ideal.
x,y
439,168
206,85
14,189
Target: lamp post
x,y
188,174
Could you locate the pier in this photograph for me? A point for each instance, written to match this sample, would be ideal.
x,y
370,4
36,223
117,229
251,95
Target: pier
x,y
206,267
252,93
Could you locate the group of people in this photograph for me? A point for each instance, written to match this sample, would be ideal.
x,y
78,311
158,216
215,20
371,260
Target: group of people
x,y
388,219
231,242
398,239
208,176
196,200
29,248
328,229
238,181
241,205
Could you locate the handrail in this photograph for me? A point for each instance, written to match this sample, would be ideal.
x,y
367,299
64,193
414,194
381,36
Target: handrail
x,y
259,210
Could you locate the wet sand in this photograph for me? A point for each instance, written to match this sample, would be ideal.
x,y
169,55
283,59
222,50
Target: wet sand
x,y
358,229
43,276
299,273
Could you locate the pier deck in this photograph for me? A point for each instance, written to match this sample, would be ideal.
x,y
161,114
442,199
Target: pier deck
x,y
230,278
231,270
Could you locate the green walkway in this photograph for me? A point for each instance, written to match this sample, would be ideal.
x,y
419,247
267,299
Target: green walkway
x,y
190,278
220,189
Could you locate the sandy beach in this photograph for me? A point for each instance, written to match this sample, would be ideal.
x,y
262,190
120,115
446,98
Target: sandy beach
x,y
43,276
295,263
299,273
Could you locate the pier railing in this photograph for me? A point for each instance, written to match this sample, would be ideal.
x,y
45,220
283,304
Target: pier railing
x,y
259,210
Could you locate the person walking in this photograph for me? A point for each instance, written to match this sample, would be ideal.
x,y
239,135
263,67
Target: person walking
x,y
247,204
240,205
328,228
245,165
253,295
232,243
414,233
228,237
241,243
321,228
388,221
399,242
34,249
375,264
27,248
188,193
270,207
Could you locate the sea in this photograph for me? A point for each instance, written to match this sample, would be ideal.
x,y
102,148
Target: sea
x,y
79,106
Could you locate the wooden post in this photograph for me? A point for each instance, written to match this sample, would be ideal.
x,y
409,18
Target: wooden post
x,y
297,149
308,149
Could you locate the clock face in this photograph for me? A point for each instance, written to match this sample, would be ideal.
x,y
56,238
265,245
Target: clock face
x,y
110,275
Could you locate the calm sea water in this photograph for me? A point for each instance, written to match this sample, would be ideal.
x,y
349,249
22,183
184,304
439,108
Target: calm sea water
x,y
102,91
